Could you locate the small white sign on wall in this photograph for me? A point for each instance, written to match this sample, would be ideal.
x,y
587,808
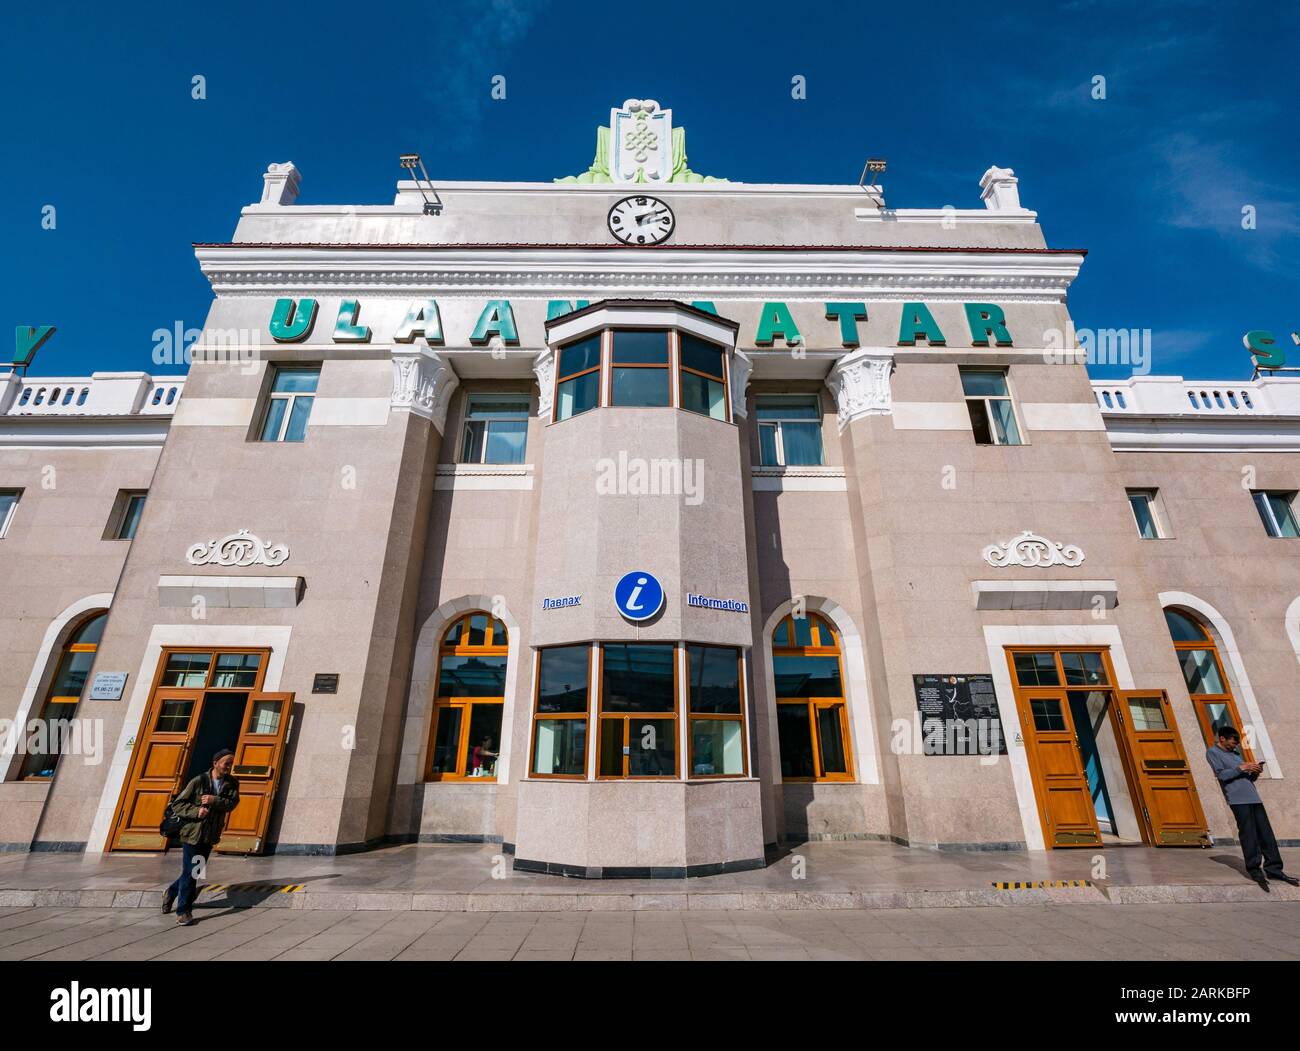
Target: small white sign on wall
x,y
108,686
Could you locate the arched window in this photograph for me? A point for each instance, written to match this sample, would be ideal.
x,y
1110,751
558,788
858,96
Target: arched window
x,y
811,715
75,660
1209,687
470,697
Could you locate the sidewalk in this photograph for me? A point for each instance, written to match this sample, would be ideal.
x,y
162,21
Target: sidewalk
x,y
455,877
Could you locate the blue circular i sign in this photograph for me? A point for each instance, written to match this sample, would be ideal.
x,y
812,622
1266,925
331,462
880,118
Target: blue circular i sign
x,y
638,595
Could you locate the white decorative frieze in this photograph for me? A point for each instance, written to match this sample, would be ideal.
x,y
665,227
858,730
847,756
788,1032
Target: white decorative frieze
x,y
241,549
1033,551
422,384
741,367
544,370
860,383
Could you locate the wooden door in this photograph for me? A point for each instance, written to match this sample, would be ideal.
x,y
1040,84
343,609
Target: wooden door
x,y
1171,808
259,759
160,758
1056,765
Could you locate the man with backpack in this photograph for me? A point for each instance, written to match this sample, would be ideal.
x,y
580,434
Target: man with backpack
x,y
201,810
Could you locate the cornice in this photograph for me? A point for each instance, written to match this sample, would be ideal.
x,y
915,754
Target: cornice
x,y
932,274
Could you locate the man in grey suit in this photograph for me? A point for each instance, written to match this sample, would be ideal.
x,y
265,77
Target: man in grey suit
x,y
1237,779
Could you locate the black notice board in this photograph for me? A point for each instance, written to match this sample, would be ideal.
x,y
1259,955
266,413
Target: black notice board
x,y
325,682
959,715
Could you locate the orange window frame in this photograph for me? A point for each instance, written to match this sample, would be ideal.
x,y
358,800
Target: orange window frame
x,y
50,696
597,368
724,379
627,717
824,643
496,643
584,716
1202,701
691,716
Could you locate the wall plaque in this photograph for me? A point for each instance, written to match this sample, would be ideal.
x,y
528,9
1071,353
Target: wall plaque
x,y
959,715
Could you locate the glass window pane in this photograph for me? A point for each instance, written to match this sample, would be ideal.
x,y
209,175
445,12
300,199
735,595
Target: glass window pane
x,y
1146,521
497,407
701,356
472,676
91,632
1047,715
264,718
478,629
560,746
641,347
580,356
787,407
295,380
807,676
803,444
802,631
484,740
454,633
446,740
767,445
236,670
274,419
652,747
830,740
131,517
8,501
186,669
705,396
781,636
471,446
1265,513
1182,628
577,395
1219,715
1283,514
74,669
638,677
1036,669
717,747
796,741
174,717
1083,669
979,422
638,387
978,383
506,440
1147,713
1200,671
610,763
1004,419
297,429
562,679
715,679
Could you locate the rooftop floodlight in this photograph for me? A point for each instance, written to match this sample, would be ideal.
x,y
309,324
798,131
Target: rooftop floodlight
x,y
432,202
875,166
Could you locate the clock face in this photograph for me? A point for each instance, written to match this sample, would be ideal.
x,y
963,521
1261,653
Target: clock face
x,y
641,221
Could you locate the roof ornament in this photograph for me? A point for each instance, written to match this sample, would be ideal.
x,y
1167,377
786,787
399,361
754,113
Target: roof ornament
x,y
640,146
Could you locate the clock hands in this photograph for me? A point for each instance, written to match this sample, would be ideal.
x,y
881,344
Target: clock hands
x,y
641,219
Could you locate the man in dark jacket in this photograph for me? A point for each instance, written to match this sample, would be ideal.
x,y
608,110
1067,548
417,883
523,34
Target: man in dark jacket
x,y
203,805
1237,779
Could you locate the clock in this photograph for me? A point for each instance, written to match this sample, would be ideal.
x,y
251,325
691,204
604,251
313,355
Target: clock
x,y
641,221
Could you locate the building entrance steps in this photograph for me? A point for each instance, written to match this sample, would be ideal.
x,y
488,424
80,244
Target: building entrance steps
x,y
462,877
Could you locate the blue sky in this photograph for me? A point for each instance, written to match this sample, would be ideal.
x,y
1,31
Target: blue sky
x,y
1199,121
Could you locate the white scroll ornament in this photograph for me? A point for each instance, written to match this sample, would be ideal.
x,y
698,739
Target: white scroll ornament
x,y
240,549
1034,551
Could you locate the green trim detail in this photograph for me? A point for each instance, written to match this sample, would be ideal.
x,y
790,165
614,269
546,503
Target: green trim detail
x,y
422,319
918,323
598,171
706,305
849,315
497,319
559,307
292,319
346,329
986,319
776,321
